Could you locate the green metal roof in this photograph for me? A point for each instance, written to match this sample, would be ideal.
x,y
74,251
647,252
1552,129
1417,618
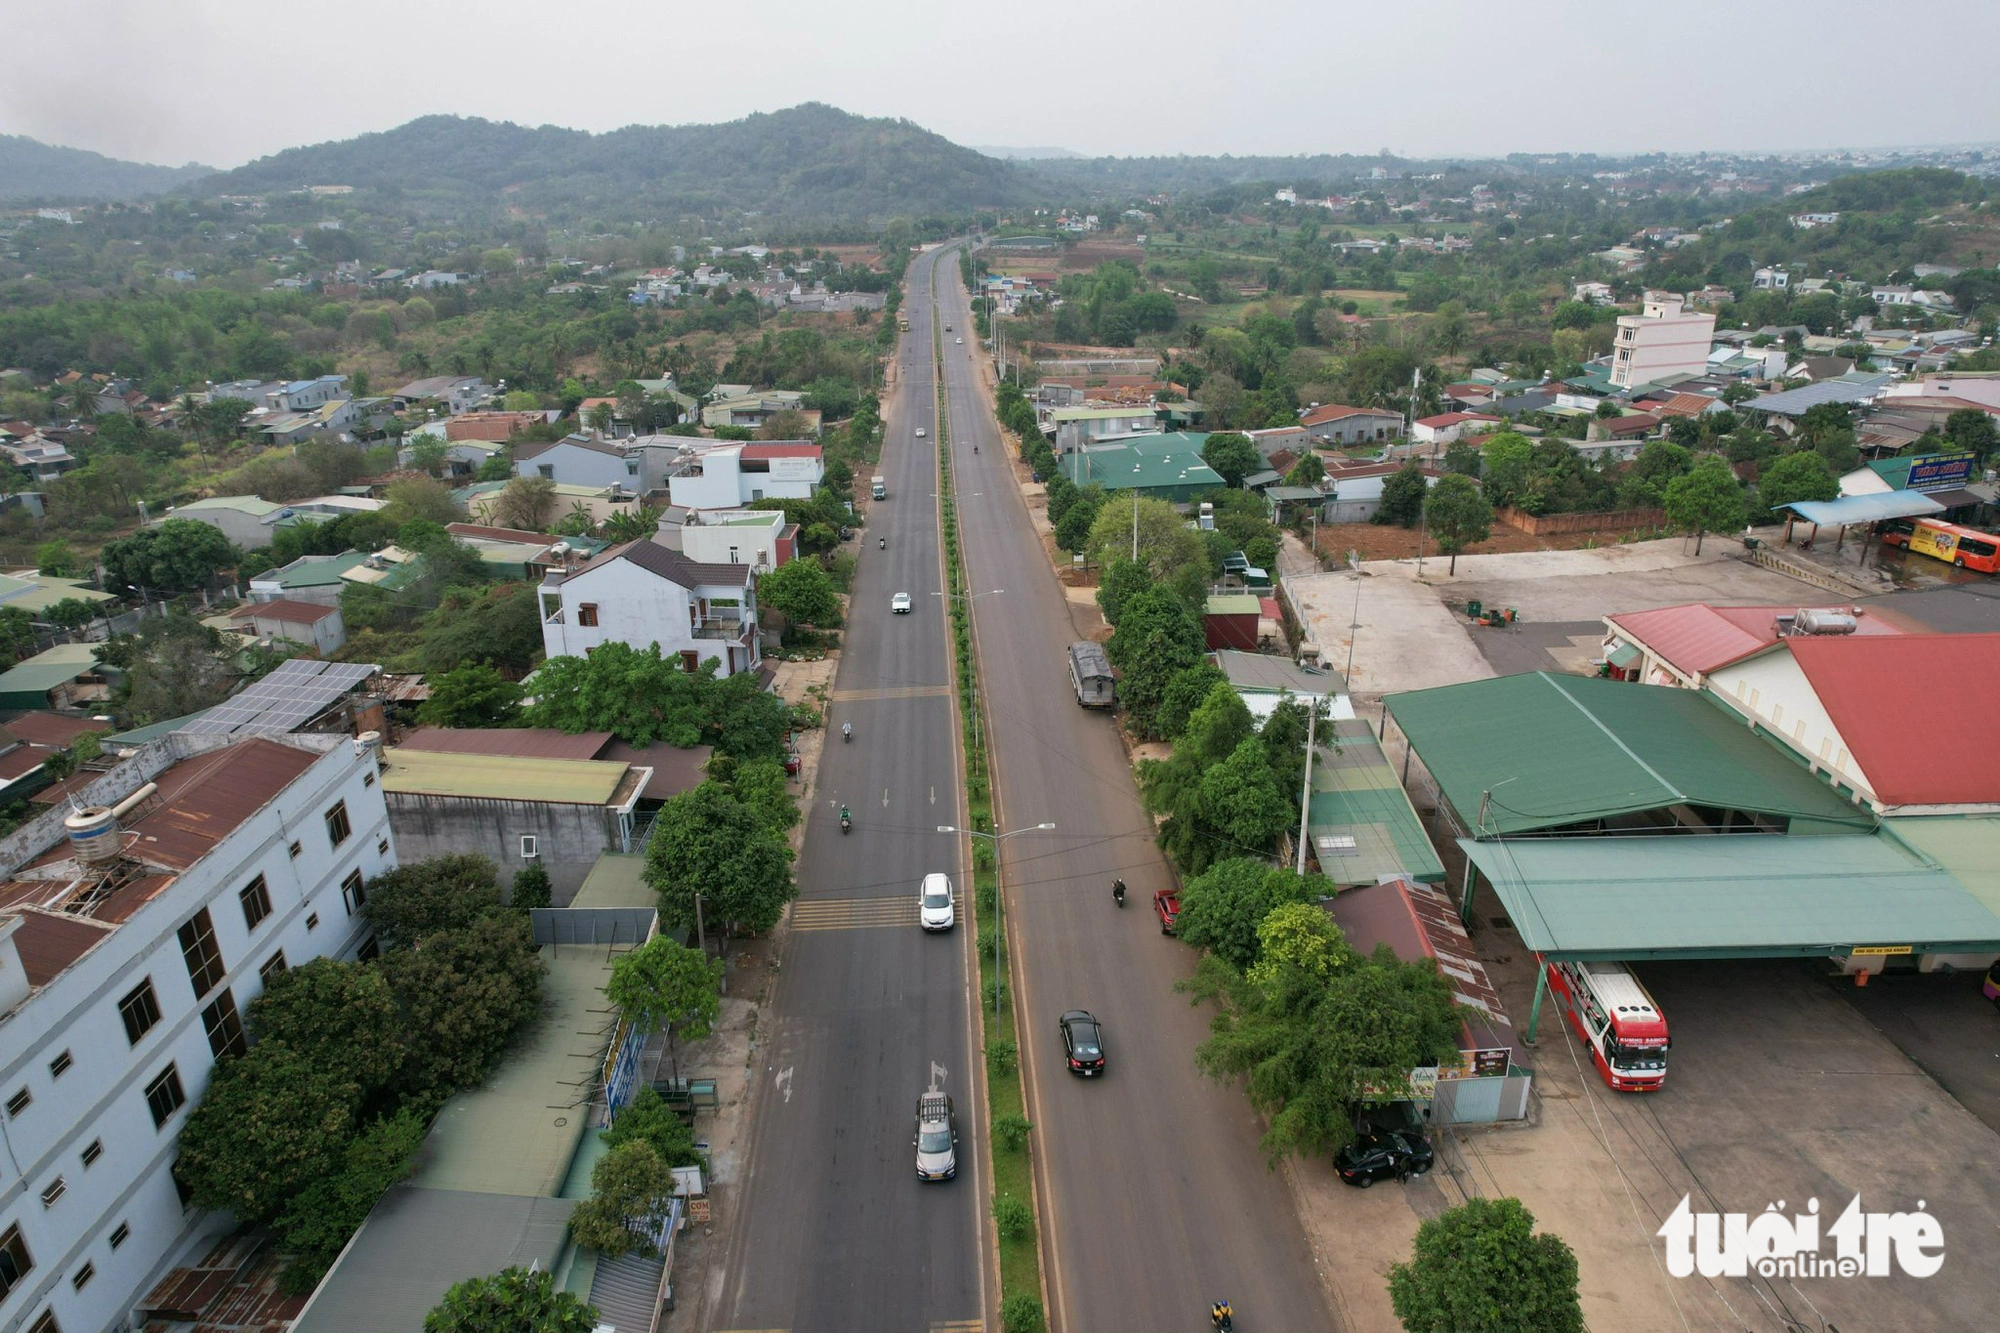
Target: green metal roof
x,y
1125,467
501,778
138,736
1739,895
1558,750
1967,847
1356,794
255,506
1233,604
46,670
39,592
313,571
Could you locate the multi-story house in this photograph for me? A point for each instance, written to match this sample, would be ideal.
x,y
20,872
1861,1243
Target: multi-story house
x,y
641,593
134,933
1663,340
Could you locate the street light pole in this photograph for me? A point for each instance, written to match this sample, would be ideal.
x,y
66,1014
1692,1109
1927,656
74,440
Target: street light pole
x,y
996,839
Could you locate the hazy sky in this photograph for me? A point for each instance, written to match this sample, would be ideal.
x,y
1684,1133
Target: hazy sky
x,y
224,81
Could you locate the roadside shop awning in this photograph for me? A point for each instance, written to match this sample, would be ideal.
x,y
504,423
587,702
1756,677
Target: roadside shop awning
x,y
1730,896
1869,508
1625,656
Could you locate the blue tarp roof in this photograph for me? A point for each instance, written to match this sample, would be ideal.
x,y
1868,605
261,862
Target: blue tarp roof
x,y
1869,508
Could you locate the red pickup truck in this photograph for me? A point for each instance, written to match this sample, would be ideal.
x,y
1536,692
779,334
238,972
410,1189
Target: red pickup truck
x,y
1167,906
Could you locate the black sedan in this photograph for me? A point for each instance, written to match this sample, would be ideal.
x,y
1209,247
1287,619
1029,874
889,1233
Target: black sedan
x,y
1083,1043
1390,1156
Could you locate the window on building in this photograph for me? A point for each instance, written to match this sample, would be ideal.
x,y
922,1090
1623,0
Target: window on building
x,y
57,1188
586,614
164,1096
370,951
224,1026
83,1275
690,661
60,1065
256,899
91,1152
530,847
353,892
140,1009
268,973
367,779
46,1324
295,849
312,921
19,1102
337,827
203,955
547,470
15,1261
382,847
120,1234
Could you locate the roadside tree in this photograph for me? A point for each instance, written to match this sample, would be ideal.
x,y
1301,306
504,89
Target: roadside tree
x,y
1232,455
664,986
1798,476
707,844
1458,515
1481,1268
513,1301
1403,495
1707,499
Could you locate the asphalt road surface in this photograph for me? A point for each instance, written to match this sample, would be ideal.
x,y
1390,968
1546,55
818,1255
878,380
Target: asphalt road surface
x,y
835,1232
1155,1196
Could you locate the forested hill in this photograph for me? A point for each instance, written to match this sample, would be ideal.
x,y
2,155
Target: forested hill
x,y
31,170
809,161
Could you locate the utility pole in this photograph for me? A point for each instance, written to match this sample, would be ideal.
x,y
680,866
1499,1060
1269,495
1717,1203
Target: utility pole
x,y
1353,625
1135,525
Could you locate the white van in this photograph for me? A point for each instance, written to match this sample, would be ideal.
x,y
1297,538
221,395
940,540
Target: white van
x,y
934,905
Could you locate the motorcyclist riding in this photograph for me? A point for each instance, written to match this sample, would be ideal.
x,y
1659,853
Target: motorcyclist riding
x,y
1118,891
846,731
845,820
882,542
1221,1316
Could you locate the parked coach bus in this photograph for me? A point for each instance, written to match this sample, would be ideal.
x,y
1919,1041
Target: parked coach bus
x,y
1968,548
1612,1012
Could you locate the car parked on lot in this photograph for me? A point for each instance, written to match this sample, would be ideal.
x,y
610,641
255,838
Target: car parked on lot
x,y
934,908
900,604
936,1137
1083,1043
1167,906
1388,1156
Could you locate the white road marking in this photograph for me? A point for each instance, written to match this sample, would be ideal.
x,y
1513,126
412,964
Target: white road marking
x,y
937,1077
784,1082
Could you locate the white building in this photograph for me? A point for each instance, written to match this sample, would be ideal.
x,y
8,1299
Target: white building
x,y
305,395
1772,279
641,593
760,538
125,973
578,461
730,476
1663,340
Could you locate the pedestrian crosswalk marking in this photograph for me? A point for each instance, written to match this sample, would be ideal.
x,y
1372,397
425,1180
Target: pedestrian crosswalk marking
x,y
853,913
892,692
960,1326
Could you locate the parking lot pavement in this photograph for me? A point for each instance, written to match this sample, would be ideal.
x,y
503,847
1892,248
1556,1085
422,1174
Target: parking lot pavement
x,y
1777,1089
1568,646
1941,1021
1408,639
1958,608
1547,586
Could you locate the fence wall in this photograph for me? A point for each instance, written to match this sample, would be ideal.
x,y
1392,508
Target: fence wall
x,y
592,925
1614,520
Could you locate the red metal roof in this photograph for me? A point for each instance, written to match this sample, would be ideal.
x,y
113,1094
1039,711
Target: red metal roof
x,y
291,612
781,451
50,941
52,730
1319,416
1697,638
1453,418
513,742
1919,712
1684,405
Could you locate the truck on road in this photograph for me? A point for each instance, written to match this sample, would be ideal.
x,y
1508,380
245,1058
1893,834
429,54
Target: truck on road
x,y
878,487
1090,673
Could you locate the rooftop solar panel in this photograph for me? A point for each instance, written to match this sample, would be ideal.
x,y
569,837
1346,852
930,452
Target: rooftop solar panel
x,y
291,696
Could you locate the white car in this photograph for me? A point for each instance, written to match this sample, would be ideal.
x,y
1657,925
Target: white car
x,y
900,604
934,906
920,432
960,341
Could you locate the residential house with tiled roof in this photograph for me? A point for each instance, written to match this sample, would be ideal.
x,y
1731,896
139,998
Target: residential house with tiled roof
x,y
642,594
1681,645
1336,423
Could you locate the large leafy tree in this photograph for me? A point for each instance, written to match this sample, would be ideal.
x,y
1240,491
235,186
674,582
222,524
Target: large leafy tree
x,y
527,503
498,624
707,843
1482,1268
1509,466
463,997
339,1018
1458,515
269,1124
1403,494
1972,429
664,986
1232,455
801,592
1797,476
1313,1023
513,1301
414,901
177,556
641,698
472,695
1167,546
629,1185
1240,799
1704,500
1222,907
174,666
317,1222
1121,579
1188,689
1157,637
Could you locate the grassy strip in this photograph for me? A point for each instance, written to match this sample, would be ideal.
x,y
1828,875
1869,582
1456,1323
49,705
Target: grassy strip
x,y
1014,1210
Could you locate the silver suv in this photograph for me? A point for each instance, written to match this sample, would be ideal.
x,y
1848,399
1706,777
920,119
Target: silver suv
x,y
936,1139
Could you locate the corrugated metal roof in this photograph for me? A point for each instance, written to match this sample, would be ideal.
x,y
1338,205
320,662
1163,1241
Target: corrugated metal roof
x,y
1796,402
50,941
1742,894
52,729
496,778
1915,748
1542,751
1868,508
46,670
1967,847
1357,794
1698,638
1416,921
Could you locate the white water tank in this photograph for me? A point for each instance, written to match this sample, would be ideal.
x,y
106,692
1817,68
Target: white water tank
x,y
1825,620
93,835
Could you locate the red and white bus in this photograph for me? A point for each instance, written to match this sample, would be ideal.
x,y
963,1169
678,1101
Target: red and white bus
x,y
1612,1012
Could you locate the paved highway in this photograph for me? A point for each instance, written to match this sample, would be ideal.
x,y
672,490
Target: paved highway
x,y
1155,1195
835,1232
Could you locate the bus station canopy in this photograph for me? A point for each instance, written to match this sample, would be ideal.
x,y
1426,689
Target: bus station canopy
x,y
1521,753
1730,895
1870,508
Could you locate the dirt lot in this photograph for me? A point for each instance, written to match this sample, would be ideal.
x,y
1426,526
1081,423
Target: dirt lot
x,y
1386,541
